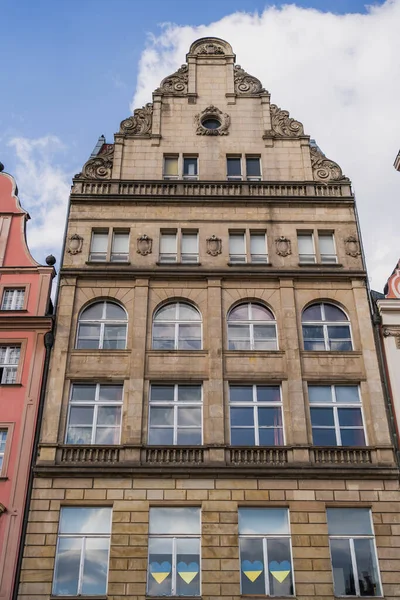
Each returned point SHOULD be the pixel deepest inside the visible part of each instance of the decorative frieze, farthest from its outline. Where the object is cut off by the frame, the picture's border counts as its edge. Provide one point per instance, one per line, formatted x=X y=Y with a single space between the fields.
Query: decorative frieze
x=140 y=122
x=209 y=48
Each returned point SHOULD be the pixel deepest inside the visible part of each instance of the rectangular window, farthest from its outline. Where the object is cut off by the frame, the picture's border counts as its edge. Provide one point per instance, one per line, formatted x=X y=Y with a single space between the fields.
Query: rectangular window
x=190 y=168
x=305 y=243
x=83 y=547
x=234 y=168
x=174 y=552
x=99 y=246
x=9 y=358
x=175 y=415
x=168 y=249
x=189 y=247
x=327 y=251
x=170 y=167
x=120 y=246
x=353 y=553
x=266 y=566
x=253 y=168
x=13 y=299
x=256 y=415
x=3 y=440
x=237 y=247
x=94 y=415
x=258 y=247
x=336 y=415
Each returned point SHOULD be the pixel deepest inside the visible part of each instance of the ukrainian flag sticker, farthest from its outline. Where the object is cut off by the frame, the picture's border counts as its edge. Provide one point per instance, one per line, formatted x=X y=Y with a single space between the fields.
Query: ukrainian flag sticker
x=252 y=570
x=160 y=571
x=187 y=571
x=280 y=570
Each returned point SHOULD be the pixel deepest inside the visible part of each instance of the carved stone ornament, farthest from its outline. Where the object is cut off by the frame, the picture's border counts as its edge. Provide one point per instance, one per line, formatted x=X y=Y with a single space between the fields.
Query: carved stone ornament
x=283 y=125
x=140 y=122
x=391 y=331
x=214 y=245
x=209 y=113
x=325 y=169
x=246 y=84
x=352 y=246
x=176 y=83
x=210 y=48
x=99 y=167
x=283 y=246
x=74 y=244
x=144 y=245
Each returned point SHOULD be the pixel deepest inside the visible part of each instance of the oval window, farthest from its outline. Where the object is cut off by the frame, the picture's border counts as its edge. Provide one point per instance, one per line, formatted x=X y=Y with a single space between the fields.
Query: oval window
x=211 y=123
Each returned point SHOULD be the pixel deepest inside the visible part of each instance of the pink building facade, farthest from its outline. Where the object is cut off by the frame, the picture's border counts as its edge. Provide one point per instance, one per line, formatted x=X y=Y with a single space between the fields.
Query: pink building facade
x=25 y=319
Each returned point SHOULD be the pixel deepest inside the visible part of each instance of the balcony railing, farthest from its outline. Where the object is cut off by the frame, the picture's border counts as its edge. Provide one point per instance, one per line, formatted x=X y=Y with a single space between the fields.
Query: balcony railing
x=258 y=456
x=174 y=456
x=90 y=454
x=341 y=456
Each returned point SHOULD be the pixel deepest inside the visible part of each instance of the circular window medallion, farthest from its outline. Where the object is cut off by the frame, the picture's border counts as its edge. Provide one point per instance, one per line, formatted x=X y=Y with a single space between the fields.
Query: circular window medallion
x=211 y=123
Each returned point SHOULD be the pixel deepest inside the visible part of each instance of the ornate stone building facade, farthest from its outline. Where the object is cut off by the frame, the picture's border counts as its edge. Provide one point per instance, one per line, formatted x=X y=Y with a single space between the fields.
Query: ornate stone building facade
x=214 y=421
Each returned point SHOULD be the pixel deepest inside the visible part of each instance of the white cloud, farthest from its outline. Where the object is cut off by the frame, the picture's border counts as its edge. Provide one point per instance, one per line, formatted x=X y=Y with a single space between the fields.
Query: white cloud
x=43 y=191
x=339 y=75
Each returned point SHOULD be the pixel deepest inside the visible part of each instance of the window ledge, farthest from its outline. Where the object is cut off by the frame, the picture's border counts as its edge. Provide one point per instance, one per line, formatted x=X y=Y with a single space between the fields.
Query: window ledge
x=319 y=265
x=154 y=352
x=250 y=264
x=10 y=384
x=310 y=353
x=100 y=351
x=179 y=264
x=13 y=310
x=91 y=263
x=80 y=597
x=182 y=597
x=254 y=352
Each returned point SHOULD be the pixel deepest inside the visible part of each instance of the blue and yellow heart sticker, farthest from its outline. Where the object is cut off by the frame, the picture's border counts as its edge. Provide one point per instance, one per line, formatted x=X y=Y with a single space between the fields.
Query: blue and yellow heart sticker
x=187 y=571
x=252 y=570
x=160 y=571
x=280 y=570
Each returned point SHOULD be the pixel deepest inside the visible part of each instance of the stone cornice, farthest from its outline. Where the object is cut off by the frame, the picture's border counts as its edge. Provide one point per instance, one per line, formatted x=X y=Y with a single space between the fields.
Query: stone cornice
x=24 y=323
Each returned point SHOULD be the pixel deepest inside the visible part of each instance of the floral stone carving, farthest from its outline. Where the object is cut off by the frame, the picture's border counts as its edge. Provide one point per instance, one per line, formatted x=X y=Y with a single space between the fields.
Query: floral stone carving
x=283 y=246
x=212 y=112
x=140 y=122
x=325 y=169
x=352 y=246
x=144 y=245
x=176 y=83
x=99 y=167
x=283 y=125
x=246 y=84
x=214 y=245
x=210 y=48
x=74 y=244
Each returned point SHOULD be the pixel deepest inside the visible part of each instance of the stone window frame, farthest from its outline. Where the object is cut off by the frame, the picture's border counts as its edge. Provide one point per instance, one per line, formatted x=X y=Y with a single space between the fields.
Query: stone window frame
x=251 y=322
x=178 y=232
x=317 y=256
x=13 y=286
x=22 y=343
x=9 y=428
x=247 y=234
x=325 y=324
x=110 y=232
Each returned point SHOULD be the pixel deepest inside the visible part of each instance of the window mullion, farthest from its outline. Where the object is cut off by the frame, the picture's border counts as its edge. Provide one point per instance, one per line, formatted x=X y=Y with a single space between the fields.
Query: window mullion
x=80 y=576
x=94 y=424
x=173 y=583
x=251 y=336
x=176 y=336
x=101 y=340
x=337 y=427
x=266 y=578
x=354 y=565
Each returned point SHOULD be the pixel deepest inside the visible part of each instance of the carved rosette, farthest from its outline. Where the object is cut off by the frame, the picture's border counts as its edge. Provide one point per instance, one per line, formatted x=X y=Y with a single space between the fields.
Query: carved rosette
x=144 y=245
x=324 y=169
x=74 y=244
x=210 y=48
x=283 y=246
x=246 y=84
x=140 y=122
x=214 y=245
x=99 y=167
x=209 y=113
x=283 y=125
x=176 y=83
x=352 y=246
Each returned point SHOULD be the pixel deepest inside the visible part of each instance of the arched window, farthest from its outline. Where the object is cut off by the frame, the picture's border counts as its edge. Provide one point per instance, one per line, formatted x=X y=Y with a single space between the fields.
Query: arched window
x=326 y=327
x=102 y=326
x=177 y=326
x=251 y=326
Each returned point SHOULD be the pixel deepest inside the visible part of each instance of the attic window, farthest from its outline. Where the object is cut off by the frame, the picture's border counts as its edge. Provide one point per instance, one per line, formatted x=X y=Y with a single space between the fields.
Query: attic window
x=211 y=123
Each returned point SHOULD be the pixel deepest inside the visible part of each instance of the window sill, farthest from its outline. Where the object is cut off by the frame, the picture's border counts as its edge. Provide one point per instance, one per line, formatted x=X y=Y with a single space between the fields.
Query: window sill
x=10 y=384
x=183 y=597
x=100 y=351
x=178 y=264
x=91 y=263
x=254 y=352
x=157 y=352
x=80 y=597
x=249 y=264
x=319 y=265
x=310 y=353
x=13 y=310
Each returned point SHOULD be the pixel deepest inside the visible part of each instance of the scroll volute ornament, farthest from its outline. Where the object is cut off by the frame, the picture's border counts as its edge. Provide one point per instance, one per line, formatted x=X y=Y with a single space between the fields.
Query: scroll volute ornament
x=144 y=245
x=283 y=246
x=99 y=167
x=284 y=126
x=352 y=246
x=140 y=122
x=246 y=84
x=214 y=245
x=74 y=244
x=324 y=169
x=210 y=48
x=176 y=83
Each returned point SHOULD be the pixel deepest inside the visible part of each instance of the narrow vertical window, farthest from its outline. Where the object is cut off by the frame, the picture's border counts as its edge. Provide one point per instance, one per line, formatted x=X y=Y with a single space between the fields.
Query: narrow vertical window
x=168 y=251
x=353 y=553
x=175 y=415
x=327 y=250
x=258 y=247
x=170 y=167
x=305 y=243
x=266 y=566
x=190 y=168
x=120 y=246
x=83 y=547
x=9 y=358
x=253 y=168
x=256 y=415
x=237 y=247
x=174 y=552
x=99 y=246
x=189 y=247
x=13 y=299
x=234 y=168
x=3 y=440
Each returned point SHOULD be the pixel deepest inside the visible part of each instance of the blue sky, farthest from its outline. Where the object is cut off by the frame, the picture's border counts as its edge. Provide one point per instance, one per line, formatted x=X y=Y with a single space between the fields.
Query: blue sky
x=70 y=68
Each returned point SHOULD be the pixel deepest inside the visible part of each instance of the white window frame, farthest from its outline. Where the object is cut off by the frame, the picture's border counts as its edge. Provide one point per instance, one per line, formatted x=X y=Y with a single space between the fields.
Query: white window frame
x=180 y=158
x=253 y=234
x=234 y=177
x=325 y=324
x=176 y=257
x=169 y=257
x=16 y=294
x=253 y=177
x=335 y=406
x=124 y=256
x=170 y=156
x=92 y=254
x=108 y=253
x=321 y=256
x=10 y=369
x=255 y=405
x=177 y=322
x=175 y=404
x=351 y=539
x=238 y=258
x=250 y=323
x=303 y=260
x=83 y=537
x=190 y=177
x=264 y=537
x=103 y=322
x=194 y=256
x=3 y=430
x=95 y=404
